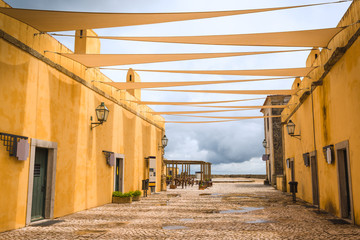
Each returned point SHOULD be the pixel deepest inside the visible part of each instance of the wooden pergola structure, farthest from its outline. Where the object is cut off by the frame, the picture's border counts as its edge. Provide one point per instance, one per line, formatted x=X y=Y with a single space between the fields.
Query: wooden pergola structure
x=205 y=168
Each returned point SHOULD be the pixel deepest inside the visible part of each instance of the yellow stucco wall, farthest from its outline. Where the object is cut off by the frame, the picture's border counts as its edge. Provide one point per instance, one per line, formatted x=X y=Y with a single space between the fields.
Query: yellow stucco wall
x=336 y=118
x=40 y=102
x=280 y=180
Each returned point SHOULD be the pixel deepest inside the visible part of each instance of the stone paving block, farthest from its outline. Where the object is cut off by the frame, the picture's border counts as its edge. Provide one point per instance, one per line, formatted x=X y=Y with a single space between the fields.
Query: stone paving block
x=225 y=211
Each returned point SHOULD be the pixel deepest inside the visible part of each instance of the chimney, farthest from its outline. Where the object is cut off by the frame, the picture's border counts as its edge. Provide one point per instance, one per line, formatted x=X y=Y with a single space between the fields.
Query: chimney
x=85 y=45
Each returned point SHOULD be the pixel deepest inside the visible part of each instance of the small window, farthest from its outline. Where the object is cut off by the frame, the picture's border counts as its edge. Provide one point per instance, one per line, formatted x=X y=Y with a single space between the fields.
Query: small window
x=298 y=84
x=316 y=56
x=130 y=77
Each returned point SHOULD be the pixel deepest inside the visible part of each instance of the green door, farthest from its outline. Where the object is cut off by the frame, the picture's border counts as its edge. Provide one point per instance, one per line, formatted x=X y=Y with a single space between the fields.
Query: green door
x=39 y=184
x=117 y=184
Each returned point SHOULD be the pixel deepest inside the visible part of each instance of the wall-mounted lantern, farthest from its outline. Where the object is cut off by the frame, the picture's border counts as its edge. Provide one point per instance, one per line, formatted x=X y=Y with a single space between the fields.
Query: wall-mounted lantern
x=264 y=143
x=328 y=152
x=164 y=142
x=102 y=113
x=290 y=127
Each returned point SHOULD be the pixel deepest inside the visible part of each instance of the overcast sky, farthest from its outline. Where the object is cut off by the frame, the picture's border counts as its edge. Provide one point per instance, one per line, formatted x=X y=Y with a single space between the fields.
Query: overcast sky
x=232 y=147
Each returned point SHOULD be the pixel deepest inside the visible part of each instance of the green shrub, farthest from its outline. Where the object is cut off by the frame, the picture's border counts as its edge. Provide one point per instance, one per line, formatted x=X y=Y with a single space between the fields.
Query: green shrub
x=120 y=194
x=136 y=193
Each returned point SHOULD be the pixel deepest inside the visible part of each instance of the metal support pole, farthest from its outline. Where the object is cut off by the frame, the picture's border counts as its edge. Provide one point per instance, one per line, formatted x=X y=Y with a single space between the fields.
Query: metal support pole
x=206 y=172
x=210 y=169
x=172 y=174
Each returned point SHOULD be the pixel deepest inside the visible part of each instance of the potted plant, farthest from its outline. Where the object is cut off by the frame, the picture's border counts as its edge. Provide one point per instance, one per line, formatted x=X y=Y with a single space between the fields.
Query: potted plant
x=119 y=197
x=202 y=186
x=136 y=195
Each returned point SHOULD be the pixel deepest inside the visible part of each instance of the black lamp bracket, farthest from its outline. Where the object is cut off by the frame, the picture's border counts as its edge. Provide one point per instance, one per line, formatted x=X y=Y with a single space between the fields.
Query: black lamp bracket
x=94 y=123
x=10 y=142
x=296 y=136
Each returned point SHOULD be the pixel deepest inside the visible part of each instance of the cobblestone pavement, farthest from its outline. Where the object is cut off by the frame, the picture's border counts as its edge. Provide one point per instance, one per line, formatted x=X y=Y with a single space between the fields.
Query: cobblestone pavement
x=247 y=210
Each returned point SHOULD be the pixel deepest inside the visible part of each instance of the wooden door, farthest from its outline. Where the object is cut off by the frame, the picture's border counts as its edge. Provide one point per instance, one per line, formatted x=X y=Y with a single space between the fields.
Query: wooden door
x=314 y=180
x=344 y=184
x=39 y=184
x=117 y=173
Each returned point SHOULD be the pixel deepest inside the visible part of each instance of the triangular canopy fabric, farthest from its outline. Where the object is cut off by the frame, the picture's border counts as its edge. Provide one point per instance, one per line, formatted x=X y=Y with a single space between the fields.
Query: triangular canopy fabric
x=192 y=112
x=102 y=60
x=139 y=85
x=262 y=106
x=224 y=117
x=290 y=72
x=191 y=103
x=260 y=92
x=197 y=121
x=230 y=119
x=52 y=21
x=304 y=38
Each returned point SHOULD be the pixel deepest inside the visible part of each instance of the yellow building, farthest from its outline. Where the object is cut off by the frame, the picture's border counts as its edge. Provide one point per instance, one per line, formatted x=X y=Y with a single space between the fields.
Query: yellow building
x=48 y=101
x=322 y=154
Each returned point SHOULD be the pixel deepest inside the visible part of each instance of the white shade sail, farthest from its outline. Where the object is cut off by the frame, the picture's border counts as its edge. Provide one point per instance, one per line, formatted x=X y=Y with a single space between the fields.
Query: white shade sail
x=139 y=85
x=192 y=112
x=234 y=118
x=260 y=92
x=102 y=60
x=282 y=72
x=262 y=106
x=303 y=38
x=191 y=103
x=229 y=119
x=52 y=21
x=197 y=121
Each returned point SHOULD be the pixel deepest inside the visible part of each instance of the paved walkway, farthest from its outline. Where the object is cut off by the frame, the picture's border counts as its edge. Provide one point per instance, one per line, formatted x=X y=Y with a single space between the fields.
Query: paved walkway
x=225 y=211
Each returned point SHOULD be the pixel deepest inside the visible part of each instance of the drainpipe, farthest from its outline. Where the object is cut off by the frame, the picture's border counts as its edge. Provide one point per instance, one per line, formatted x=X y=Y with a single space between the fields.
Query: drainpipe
x=313 y=120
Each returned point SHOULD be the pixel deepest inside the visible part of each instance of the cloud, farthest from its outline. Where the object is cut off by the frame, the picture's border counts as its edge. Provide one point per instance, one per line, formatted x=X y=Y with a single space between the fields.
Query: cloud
x=252 y=166
x=189 y=150
x=215 y=143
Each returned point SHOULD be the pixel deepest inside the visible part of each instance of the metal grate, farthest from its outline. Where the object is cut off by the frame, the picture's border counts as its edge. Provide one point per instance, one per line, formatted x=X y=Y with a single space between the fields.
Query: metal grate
x=10 y=142
x=37 y=170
